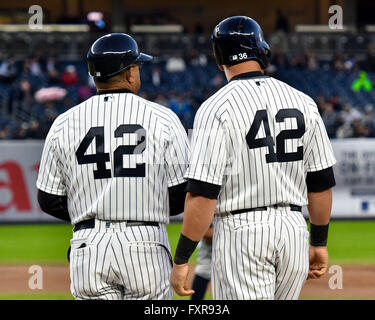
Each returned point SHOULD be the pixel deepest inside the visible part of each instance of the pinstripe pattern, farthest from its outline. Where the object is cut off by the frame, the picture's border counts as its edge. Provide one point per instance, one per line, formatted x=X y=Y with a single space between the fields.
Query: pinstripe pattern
x=220 y=129
x=140 y=199
x=120 y=262
x=259 y=255
x=204 y=260
x=116 y=261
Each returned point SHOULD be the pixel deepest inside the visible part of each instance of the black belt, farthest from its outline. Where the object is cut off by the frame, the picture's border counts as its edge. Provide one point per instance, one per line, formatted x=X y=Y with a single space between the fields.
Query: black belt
x=292 y=208
x=90 y=224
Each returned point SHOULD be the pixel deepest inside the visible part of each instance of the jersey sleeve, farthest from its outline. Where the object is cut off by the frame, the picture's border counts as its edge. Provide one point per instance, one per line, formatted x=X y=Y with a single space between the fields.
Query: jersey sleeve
x=176 y=153
x=209 y=149
x=50 y=178
x=320 y=155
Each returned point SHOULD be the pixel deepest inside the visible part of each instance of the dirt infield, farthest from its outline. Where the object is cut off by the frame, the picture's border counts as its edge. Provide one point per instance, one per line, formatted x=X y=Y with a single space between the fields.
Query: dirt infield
x=15 y=279
x=358 y=282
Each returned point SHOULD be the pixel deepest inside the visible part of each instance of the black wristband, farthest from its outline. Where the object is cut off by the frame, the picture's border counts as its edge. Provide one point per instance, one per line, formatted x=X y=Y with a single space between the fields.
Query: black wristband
x=185 y=249
x=319 y=235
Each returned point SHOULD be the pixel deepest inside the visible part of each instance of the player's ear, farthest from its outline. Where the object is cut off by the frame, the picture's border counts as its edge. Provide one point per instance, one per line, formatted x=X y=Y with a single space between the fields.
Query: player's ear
x=133 y=75
x=221 y=67
x=132 y=78
x=128 y=76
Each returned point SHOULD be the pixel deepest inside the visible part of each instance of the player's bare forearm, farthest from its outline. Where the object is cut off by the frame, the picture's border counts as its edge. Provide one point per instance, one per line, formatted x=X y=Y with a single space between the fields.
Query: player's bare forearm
x=319 y=207
x=198 y=215
x=320 y=204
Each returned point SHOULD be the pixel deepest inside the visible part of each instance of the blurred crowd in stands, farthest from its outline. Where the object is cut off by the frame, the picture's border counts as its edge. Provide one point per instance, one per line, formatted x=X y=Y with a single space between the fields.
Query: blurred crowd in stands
x=33 y=92
x=345 y=120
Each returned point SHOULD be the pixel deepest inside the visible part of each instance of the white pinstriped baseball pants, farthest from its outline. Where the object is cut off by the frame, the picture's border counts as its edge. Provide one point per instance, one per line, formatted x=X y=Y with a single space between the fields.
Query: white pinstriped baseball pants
x=204 y=257
x=261 y=255
x=116 y=262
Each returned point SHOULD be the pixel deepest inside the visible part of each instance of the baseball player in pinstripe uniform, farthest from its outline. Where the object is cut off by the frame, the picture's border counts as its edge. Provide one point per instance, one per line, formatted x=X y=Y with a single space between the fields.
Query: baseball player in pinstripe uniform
x=202 y=270
x=260 y=152
x=113 y=166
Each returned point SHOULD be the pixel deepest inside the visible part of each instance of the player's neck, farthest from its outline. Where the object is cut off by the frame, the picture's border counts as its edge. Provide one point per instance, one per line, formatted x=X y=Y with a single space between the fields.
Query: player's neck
x=117 y=84
x=244 y=67
x=116 y=89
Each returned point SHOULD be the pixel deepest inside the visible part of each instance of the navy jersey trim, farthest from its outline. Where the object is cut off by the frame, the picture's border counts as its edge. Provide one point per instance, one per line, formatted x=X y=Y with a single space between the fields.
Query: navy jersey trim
x=177 y=196
x=54 y=205
x=202 y=188
x=248 y=75
x=319 y=181
x=99 y=92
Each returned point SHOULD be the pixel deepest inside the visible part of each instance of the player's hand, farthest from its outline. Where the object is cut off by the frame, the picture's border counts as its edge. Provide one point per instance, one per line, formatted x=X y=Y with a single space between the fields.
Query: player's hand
x=179 y=279
x=318 y=258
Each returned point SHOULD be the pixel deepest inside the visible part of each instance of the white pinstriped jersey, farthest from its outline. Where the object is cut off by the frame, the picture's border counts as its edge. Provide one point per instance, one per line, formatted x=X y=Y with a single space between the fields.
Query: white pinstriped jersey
x=114 y=156
x=258 y=137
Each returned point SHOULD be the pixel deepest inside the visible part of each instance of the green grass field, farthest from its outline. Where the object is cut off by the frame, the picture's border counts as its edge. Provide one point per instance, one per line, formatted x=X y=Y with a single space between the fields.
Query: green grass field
x=48 y=244
x=350 y=242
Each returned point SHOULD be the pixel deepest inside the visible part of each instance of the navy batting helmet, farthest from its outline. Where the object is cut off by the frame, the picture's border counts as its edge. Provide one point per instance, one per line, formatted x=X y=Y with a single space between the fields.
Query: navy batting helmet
x=112 y=53
x=237 y=39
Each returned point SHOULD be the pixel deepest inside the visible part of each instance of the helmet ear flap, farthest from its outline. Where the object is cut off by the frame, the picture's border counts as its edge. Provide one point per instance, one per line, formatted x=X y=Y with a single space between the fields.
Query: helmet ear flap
x=266 y=56
x=218 y=55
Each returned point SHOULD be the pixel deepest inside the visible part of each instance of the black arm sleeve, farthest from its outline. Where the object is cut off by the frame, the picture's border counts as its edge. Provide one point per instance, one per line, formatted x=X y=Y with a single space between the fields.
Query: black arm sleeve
x=55 y=206
x=177 y=196
x=208 y=190
x=319 y=181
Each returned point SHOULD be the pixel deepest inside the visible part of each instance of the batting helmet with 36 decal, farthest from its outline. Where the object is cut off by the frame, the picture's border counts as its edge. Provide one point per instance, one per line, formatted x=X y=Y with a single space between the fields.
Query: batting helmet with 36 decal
x=238 y=39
